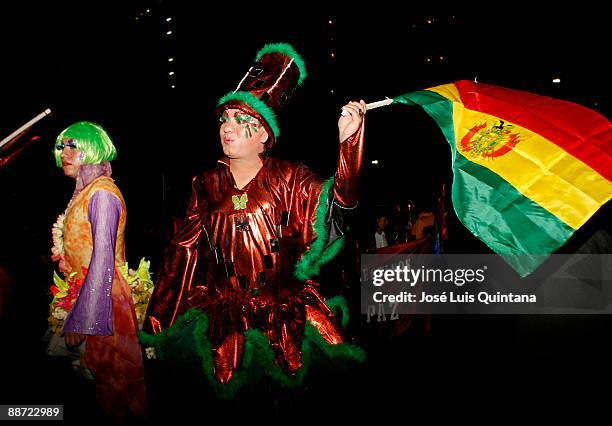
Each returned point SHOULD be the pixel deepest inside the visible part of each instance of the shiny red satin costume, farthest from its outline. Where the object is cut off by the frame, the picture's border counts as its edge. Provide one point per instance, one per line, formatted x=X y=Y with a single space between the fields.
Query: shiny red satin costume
x=235 y=261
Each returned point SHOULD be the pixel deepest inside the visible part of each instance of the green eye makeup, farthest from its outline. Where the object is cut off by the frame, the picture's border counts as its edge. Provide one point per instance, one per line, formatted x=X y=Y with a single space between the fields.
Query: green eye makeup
x=250 y=123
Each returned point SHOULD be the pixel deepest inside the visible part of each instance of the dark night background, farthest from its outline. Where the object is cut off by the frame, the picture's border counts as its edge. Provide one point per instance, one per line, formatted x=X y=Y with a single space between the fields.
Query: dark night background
x=107 y=61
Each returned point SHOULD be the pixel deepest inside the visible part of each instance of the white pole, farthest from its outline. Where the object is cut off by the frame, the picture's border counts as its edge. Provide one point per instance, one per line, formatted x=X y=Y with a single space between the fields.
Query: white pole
x=379 y=104
x=374 y=105
x=25 y=127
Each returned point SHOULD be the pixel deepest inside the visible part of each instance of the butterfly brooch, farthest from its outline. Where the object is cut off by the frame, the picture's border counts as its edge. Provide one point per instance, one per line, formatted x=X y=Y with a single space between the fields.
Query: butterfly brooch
x=240 y=202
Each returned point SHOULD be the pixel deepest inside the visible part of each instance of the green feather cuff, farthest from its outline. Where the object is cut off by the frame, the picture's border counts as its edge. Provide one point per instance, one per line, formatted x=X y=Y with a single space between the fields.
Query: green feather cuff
x=319 y=253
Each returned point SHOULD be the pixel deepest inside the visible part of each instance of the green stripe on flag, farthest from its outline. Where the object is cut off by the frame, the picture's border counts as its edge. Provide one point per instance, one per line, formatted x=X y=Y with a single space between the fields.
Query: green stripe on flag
x=512 y=225
x=437 y=106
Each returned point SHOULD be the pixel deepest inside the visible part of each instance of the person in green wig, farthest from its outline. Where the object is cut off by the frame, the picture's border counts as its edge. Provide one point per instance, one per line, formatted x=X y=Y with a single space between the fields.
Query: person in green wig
x=92 y=316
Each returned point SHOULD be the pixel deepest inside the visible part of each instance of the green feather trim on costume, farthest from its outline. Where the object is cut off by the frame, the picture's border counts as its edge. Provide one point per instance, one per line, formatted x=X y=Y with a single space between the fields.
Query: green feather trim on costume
x=262 y=109
x=158 y=340
x=342 y=350
x=257 y=350
x=318 y=254
x=338 y=303
x=285 y=49
x=328 y=254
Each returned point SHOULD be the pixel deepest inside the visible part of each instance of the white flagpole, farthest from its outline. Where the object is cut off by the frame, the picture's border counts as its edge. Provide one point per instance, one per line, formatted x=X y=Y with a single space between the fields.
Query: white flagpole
x=373 y=105
x=379 y=104
x=25 y=127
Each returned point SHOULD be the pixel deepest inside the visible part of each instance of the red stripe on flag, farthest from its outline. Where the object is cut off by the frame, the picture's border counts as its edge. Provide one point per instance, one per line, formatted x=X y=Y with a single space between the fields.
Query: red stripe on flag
x=585 y=134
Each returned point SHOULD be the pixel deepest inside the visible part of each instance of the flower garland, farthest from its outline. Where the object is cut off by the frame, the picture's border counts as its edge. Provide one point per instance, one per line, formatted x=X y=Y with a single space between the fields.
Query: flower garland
x=65 y=293
x=57 y=231
x=57 y=251
x=141 y=284
x=66 y=290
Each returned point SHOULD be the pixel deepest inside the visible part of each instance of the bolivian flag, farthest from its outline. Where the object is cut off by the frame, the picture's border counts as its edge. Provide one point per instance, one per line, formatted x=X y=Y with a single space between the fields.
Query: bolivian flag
x=528 y=170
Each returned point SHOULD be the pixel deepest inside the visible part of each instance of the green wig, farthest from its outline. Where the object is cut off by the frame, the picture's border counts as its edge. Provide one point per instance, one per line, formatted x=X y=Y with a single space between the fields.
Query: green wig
x=91 y=139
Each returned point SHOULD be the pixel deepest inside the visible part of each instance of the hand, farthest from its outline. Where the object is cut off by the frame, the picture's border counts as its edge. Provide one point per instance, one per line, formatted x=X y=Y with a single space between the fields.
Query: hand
x=73 y=339
x=348 y=124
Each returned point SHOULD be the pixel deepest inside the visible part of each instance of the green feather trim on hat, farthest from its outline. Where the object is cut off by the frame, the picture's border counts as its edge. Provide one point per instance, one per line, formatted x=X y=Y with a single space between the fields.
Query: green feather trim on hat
x=260 y=107
x=285 y=49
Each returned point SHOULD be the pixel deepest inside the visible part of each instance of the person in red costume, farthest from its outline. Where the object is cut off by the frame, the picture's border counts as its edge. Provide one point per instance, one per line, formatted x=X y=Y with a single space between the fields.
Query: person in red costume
x=238 y=278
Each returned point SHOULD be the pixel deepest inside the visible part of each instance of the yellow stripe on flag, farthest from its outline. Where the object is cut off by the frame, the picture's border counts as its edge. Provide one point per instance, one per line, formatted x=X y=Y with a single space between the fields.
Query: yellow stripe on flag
x=449 y=91
x=536 y=167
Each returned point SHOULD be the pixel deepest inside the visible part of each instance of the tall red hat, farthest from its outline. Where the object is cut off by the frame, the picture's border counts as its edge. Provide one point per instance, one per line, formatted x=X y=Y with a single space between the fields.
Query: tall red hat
x=268 y=85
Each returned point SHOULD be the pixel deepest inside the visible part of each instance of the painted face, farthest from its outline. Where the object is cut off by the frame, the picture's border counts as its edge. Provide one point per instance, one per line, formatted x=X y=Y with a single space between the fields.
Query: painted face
x=71 y=157
x=242 y=135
